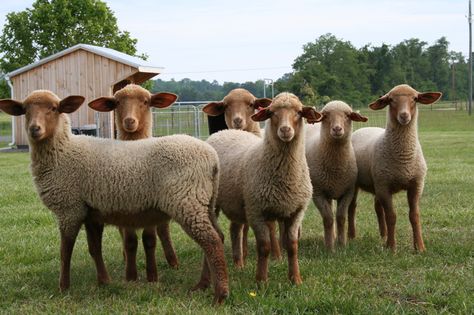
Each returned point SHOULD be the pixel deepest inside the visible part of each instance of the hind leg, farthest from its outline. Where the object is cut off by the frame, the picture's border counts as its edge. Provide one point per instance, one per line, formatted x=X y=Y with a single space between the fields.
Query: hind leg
x=351 y=216
x=163 y=231
x=274 y=241
x=236 y=239
x=380 y=218
x=130 y=244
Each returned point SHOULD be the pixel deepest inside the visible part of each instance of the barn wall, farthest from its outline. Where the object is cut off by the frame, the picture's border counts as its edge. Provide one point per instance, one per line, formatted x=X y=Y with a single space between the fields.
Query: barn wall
x=81 y=73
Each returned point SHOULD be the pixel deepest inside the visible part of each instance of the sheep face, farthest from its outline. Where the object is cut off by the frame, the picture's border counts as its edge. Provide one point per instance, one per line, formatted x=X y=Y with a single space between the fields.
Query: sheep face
x=337 y=120
x=237 y=106
x=42 y=110
x=286 y=116
x=132 y=106
x=402 y=101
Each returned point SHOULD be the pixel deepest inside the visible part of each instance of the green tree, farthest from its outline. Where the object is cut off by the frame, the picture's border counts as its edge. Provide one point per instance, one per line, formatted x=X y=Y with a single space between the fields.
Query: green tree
x=54 y=25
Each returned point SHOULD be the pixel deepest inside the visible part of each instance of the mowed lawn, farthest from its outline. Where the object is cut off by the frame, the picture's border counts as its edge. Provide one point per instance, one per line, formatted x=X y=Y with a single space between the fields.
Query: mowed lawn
x=362 y=278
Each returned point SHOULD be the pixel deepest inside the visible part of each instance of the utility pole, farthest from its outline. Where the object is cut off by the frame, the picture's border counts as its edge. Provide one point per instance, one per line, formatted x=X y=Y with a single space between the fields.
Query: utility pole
x=469 y=18
x=267 y=82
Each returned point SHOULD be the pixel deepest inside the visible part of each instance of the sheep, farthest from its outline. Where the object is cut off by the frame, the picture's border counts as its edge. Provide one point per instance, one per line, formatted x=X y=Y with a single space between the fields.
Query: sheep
x=390 y=160
x=238 y=106
x=332 y=166
x=132 y=108
x=93 y=181
x=267 y=179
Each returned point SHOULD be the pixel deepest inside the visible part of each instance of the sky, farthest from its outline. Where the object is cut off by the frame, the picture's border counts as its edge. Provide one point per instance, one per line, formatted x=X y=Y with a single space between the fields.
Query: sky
x=248 y=40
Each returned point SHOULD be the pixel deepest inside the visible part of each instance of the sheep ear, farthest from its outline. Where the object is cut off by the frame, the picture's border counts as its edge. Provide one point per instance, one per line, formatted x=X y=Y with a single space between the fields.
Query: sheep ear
x=428 y=97
x=12 y=107
x=262 y=114
x=357 y=117
x=312 y=116
x=70 y=104
x=380 y=103
x=103 y=104
x=163 y=99
x=214 y=108
x=262 y=102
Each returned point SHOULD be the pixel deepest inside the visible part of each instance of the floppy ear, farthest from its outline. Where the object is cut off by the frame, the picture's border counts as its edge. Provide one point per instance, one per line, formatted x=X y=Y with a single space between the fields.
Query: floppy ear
x=103 y=104
x=357 y=117
x=380 y=103
x=163 y=99
x=312 y=116
x=262 y=102
x=262 y=114
x=428 y=97
x=12 y=107
x=214 y=108
x=70 y=104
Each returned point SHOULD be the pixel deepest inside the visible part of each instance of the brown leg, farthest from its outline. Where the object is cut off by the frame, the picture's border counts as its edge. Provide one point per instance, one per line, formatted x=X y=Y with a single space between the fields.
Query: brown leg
x=163 y=230
x=291 y=229
x=341 y=214
x=67 y=245
x=380 y=218
x=149 y=245
x=274 y=242
x=390 y=218
x=245 y=243
x=262 y=237
x=413 y=194
x=130 y=244
x=351 y=213
x=94 y=233
x=202 y=231
x=236 y=239
x=325 y=208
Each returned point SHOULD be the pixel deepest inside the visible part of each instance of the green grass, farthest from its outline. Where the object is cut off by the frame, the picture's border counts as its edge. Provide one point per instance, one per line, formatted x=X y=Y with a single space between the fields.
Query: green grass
x=362 y=278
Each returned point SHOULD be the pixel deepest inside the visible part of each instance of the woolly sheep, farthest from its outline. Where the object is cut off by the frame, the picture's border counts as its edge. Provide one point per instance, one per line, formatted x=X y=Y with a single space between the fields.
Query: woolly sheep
x=390 y=160
x=267 y=179
x=92 y=181
x=132 y=111
x=332 y=166
x=238 y=106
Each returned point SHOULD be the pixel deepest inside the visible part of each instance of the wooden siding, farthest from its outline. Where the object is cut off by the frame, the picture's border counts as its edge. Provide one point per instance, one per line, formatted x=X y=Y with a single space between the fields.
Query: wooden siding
x=81 y=73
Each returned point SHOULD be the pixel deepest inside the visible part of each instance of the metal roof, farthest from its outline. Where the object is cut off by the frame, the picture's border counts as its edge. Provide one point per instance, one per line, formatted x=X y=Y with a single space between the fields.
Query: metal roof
x=140 y=64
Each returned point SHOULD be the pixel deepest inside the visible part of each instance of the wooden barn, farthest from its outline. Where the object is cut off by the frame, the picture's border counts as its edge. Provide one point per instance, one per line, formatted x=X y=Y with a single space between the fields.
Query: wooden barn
x=85 y=70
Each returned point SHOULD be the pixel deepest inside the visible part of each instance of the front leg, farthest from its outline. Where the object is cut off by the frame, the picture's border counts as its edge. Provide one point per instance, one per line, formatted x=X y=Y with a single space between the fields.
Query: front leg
x=262 y=237
x=94 y=233
x=325 y=208
x=413 y=194
x=68 y=233
x=385 y=199
x=292 y=226
x=341 y=214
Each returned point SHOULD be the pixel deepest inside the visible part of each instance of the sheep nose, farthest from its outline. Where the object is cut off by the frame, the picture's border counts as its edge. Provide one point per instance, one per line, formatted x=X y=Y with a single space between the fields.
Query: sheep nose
x=337 y=129
x=129 y=122
x=35 y=130
x=285 y=129
x=237 y=122
x=404 y=116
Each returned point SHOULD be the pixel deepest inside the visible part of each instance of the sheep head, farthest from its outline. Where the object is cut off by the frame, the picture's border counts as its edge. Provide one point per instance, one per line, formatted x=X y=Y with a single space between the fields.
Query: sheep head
x=337 y=119
x=42 y=109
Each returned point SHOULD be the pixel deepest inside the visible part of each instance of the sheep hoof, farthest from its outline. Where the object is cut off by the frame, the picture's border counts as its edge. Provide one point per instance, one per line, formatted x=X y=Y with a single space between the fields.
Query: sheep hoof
x=220 y=297
x=202 y=285
x=296 y=280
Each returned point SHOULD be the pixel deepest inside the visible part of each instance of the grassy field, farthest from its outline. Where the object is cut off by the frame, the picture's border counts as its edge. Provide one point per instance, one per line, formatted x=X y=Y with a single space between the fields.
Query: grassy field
x=362 y=278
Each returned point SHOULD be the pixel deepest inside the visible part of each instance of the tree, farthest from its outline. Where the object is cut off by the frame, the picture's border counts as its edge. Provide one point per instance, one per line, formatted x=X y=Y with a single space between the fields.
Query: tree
x=54 y=25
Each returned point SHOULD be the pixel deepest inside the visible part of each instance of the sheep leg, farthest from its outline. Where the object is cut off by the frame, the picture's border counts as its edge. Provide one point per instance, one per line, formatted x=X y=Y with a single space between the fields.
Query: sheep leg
x=281 y=227
x=380 y=218
x=274 y=242
x=149 y=245
x=351 y=213
x=413 y=194
x=390 y=218
x=130 y=243
x=341 y=214
x=325 y=208
x=94 y=233
x=201 y=230
x=236 y=239
x=292 y=226
x=68 y=238
x=163 y=231
x=245 y=246
x=262 y=237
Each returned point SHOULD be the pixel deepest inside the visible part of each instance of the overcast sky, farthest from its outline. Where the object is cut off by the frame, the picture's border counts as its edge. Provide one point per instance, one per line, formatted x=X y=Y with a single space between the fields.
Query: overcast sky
x=247 y=40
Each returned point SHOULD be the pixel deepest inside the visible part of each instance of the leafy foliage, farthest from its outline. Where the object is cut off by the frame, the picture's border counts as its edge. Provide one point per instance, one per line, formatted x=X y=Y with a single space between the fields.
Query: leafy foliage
x=54 y=25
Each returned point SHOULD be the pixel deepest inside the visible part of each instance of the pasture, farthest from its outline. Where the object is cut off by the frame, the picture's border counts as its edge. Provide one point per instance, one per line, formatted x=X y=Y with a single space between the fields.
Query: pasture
x=361 y=278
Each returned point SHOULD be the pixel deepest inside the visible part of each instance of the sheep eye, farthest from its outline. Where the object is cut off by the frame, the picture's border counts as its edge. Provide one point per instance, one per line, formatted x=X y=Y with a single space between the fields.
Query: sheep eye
x=52 y=108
